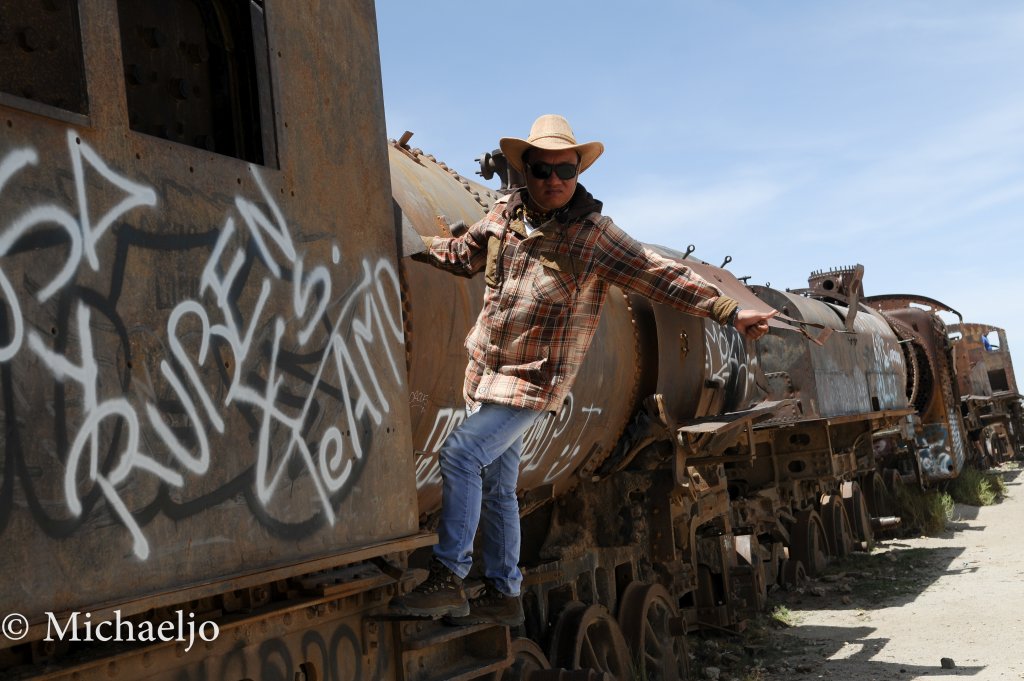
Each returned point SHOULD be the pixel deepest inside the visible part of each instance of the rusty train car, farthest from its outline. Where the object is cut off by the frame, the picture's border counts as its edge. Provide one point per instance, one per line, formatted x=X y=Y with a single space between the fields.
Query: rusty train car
x=990 y=401
x=223 y=392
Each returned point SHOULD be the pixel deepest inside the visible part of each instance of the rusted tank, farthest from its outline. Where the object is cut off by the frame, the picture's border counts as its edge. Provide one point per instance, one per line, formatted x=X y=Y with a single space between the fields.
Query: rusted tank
x=829 y=375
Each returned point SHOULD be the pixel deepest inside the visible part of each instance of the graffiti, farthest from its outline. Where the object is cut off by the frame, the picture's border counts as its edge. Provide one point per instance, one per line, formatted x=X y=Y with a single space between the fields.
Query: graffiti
x=262 y=343
x=933 y=450
x=956 y=439
x=891 y=377
x=548 y=431
x=428 y=464
x=445 y=422
x=886 y=355
x=541 y=442
x=941 y=448
x=728 y=366
x=418 y=401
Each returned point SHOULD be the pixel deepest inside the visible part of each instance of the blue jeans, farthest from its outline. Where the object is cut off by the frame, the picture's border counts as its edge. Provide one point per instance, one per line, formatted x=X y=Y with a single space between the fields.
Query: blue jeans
x=479 y=469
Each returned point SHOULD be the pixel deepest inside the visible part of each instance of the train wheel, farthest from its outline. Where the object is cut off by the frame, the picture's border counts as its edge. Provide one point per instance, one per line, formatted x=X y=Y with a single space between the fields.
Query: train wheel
x=528 y=658
x=876 y=494
x=645 y=616
x=860 y=518
x=810 y=544
x=773 y=566
x=837 y=526
x=793 y=574
x=587 y=637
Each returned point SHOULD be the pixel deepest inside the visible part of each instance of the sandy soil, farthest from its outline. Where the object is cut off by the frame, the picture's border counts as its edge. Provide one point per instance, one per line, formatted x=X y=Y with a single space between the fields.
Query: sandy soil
x=895 y=614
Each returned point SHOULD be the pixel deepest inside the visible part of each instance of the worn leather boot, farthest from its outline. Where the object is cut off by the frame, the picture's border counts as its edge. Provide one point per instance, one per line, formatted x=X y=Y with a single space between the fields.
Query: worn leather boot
x=492 y=607
x=439 y=594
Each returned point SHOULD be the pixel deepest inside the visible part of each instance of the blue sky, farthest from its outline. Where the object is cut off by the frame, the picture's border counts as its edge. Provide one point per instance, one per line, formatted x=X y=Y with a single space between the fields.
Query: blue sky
x=792 y=136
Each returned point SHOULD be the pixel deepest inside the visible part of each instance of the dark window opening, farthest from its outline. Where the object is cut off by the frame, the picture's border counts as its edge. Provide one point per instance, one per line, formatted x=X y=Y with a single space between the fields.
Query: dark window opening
x=41 y=53
x=197 y=72
x=997 y=379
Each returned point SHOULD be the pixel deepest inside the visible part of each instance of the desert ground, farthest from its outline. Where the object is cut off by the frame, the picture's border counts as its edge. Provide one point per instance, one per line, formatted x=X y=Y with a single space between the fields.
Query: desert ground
x=914 y=608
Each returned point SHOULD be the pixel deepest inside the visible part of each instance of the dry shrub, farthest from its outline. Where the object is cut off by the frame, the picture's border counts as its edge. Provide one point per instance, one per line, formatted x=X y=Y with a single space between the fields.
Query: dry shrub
x=976 y=488
x=998 y=484
x=924 y=510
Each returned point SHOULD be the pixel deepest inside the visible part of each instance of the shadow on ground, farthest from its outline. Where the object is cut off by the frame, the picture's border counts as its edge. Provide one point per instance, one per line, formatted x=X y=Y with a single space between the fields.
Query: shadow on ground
x=848 y=652
x=895 y=575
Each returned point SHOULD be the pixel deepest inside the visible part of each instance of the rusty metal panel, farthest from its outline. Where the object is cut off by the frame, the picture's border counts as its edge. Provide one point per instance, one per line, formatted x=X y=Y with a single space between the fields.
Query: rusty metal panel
x=199 y=356
x=982 y=370
x=857 y=371
x=441 y=311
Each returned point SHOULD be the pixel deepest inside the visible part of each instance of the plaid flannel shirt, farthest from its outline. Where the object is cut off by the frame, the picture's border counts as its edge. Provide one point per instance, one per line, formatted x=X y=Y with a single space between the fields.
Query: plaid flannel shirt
x=545 y=291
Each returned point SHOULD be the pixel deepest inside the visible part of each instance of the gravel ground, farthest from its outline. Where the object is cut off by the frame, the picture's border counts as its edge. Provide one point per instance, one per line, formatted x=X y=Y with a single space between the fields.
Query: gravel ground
x=918 y=608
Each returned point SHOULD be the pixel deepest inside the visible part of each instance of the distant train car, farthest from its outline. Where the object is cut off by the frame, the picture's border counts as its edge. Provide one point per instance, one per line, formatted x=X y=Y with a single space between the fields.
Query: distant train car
x=939 y=449
x=990 y=398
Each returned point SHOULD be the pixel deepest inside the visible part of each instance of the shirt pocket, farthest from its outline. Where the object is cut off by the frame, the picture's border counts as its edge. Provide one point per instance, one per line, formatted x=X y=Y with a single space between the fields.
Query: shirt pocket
x=534 y=372
x=493 y=254
x=555 y=280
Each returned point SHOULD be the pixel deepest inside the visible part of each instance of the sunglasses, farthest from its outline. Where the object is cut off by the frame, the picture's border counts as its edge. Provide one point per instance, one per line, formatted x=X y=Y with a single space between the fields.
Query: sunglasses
x=542 y=171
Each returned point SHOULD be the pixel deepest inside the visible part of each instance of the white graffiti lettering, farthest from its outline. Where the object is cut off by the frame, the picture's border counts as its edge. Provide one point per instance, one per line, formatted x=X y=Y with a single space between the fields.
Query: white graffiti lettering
x=357 y=352
x=727 y=364
x=540 y=442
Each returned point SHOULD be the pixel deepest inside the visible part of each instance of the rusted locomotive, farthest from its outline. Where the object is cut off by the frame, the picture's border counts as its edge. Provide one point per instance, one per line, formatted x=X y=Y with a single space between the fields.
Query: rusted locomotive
x=730 y=466
x=223 y=392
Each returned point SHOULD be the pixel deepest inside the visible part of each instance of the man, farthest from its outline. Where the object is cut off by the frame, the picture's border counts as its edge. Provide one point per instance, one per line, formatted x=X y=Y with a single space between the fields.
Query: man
x=549 y=257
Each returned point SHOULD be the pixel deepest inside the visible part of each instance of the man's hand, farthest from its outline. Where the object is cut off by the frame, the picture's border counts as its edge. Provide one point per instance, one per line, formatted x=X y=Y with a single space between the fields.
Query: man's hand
x=753 y=324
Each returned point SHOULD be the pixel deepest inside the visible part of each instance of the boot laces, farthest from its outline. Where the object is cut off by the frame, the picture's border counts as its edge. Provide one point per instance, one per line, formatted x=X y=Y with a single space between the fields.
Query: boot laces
x=440 y=577
x=490 y=595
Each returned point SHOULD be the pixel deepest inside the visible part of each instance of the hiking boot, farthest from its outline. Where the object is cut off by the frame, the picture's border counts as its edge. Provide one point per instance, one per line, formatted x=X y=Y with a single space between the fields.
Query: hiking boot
x=439 y=594
x=492 y=607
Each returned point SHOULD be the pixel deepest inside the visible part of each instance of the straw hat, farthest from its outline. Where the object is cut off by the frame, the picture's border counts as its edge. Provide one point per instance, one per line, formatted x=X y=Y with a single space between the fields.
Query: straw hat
x=549 y=131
